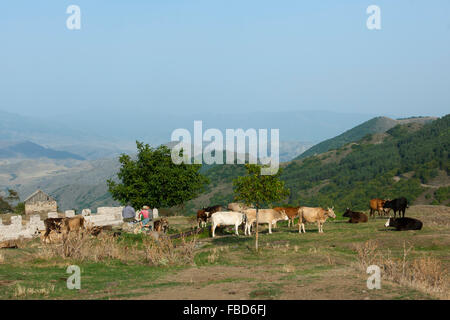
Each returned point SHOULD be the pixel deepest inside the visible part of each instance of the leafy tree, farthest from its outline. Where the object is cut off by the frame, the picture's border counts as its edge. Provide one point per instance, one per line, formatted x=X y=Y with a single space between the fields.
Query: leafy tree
x=20 y=208
x=260 y=190
x=153 y=179
x=12 y=196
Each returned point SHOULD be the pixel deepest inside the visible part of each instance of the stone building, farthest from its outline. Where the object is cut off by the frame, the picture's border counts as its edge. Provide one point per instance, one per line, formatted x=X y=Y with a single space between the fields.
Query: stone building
x=40 y=202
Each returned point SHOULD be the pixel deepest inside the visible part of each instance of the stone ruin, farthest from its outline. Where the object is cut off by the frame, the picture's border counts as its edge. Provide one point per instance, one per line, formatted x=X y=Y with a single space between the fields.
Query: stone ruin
x=105 y=216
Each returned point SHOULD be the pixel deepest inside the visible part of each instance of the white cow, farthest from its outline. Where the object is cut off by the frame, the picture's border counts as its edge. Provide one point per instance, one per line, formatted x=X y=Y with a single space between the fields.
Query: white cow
x=269 y=216
x=226 y=218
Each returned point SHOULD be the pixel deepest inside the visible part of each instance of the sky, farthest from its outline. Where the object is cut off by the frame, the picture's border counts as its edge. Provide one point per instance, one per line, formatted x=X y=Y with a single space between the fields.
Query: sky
x=224 y=56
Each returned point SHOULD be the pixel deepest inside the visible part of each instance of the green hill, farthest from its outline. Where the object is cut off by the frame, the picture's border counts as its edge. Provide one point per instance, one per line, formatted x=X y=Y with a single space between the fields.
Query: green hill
x=395 y=163
x=375 y=125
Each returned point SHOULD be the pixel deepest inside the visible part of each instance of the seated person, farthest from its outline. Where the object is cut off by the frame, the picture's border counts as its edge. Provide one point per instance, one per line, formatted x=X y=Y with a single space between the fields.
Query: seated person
x=146 y=217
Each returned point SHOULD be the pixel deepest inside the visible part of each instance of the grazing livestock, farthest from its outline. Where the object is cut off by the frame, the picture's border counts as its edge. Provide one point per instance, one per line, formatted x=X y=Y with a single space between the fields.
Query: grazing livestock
x=72 y=224
x=238 y=207
x=226 y=218
x=202 y=217
x=311 y=215
x=52 y=224
x=402 y=224
x=269 y=216
x=398 y=204
x=204 y=214
x=161 y=225
x=378 y=206
x=355 y=217
x=292 y=213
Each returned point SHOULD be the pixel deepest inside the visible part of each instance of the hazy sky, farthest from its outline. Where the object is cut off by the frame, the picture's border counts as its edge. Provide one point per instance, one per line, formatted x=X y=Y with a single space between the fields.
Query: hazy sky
x=225 y=56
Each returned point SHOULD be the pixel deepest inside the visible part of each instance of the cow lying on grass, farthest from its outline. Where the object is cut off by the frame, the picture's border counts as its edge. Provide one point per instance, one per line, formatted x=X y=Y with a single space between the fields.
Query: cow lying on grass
x=403 y=224
x=269 y=216
x=355 y=217
x=312 y=215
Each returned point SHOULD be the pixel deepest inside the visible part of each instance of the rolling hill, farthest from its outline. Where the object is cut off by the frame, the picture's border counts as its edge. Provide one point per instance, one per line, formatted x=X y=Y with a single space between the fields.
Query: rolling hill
x=403 y=161
x=375 y=125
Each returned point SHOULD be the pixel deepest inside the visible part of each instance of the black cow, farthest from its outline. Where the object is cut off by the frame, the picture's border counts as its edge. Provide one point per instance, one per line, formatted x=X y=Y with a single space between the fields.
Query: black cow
x=355 y=217
x=398 y=204
x=213 y=209
x=402 y=224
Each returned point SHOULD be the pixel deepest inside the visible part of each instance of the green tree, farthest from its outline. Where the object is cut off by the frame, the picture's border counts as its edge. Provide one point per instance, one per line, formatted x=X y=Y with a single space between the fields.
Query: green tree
x=260 y=190
x=153 y=179
x=19 y=208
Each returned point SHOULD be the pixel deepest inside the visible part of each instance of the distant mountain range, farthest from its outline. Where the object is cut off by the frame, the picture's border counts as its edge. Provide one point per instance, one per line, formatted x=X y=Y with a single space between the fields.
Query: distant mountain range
x=30 y=150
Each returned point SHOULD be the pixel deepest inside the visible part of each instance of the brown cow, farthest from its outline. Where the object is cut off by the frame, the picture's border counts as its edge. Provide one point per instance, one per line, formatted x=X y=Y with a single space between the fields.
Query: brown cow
x=204 y=214
x=292 y=213
x=355 y=217
x=72 y=224
x=52 y=224
x=377 y=205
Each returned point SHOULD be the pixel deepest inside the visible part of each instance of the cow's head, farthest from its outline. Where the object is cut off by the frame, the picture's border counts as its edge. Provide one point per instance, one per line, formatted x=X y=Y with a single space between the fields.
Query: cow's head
x=330 y=212
x=347 y=213
x=284 y=216
x=387 y=204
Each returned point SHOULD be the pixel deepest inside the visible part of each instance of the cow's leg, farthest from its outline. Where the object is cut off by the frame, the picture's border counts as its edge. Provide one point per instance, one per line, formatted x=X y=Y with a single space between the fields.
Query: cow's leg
x=270 y=228
x=213 y=227
x=236 y=227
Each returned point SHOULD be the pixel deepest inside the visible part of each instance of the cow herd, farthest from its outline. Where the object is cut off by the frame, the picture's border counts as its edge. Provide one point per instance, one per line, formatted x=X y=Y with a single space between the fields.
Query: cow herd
x=237 y=214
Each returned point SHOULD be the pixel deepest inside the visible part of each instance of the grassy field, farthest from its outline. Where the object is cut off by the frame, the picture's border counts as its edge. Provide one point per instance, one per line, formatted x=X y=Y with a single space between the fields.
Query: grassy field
x=289 y=265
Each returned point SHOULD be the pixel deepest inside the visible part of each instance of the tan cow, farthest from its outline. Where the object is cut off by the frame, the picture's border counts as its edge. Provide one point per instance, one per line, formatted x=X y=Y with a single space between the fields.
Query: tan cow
x=238 y=207
x=269 y=216
x=312 y=215
x=72 y=224
x=292 y=213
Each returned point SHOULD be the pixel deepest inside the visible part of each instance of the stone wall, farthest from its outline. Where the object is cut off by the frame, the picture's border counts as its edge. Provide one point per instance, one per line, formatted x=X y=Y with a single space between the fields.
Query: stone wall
x=40 y=207
x=106 y=216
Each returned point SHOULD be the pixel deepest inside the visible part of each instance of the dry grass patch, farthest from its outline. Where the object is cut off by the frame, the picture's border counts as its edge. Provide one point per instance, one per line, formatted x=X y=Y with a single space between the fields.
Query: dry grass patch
x=23 y=292
x=164 y=252
x=83 y=247
x=423 y=273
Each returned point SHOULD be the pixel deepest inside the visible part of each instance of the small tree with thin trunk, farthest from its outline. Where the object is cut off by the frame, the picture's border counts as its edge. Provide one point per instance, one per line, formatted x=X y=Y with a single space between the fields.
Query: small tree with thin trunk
x=260 y=190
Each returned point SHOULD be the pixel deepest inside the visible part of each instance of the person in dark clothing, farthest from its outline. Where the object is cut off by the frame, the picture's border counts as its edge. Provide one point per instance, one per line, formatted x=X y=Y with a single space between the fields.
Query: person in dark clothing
x=128 y=214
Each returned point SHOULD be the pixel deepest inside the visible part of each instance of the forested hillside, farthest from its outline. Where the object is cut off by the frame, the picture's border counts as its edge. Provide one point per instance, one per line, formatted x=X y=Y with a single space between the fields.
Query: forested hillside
x=369 y=170
x=396 y=163
x=375 y=125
